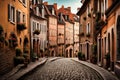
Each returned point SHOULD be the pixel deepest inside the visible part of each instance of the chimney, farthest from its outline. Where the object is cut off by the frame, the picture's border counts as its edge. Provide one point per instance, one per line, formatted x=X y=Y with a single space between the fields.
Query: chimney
x=55 y=6
x=78 y=9
x=45 y=3
x=62 y=6
x=69 y=8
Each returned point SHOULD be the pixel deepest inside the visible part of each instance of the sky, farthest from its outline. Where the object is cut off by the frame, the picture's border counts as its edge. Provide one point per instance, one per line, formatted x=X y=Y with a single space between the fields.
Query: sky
x=74 y=4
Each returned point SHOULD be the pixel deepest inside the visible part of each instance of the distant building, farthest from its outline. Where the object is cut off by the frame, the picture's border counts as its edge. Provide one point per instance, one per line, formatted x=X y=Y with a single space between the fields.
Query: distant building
x=52 y=28
x=76 y=38
x=69 y=23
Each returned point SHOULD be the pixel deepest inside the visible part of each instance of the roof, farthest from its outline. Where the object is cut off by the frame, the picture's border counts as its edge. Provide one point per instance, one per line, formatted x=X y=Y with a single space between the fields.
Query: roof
x=112 y=7
x=83 y=8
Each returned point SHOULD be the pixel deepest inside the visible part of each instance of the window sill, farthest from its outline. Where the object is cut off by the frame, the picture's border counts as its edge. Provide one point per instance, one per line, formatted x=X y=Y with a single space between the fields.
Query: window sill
x=12 y=22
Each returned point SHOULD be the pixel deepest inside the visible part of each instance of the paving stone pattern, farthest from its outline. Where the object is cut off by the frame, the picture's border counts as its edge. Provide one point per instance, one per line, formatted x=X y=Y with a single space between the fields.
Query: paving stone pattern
x=63 y=69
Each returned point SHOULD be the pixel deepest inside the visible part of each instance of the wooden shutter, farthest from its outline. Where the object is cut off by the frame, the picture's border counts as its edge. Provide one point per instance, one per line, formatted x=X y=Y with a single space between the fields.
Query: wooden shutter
x=8 y=12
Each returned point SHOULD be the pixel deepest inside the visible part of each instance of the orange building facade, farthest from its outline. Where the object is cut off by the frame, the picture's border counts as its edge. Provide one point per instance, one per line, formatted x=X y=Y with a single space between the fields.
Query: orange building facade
x=108 y=35
x=14 y=19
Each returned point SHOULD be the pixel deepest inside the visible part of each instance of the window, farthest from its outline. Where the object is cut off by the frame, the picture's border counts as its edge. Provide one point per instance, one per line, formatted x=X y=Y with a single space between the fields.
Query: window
x=106 y=4
x=18 y=14
x=34 y=26
x=88 y=9
x=37 y=11
x=37 y=26
x=11 y=13
x=24 y=18
x=53 y=12
x=88 y=28
x=24 y=2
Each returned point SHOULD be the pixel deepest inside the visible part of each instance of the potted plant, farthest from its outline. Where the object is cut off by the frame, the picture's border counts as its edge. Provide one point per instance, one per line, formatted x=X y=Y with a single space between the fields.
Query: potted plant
x=36 y=32
x=18 y=52
x=88 y=35
x=107 y=57
x=82 y=34
x=80 y=55
x=25 y=55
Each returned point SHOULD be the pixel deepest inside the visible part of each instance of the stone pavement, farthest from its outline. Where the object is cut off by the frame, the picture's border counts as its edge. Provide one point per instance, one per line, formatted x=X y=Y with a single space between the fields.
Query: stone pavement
x=18 y=72
x=63 y=69
x=104 y=73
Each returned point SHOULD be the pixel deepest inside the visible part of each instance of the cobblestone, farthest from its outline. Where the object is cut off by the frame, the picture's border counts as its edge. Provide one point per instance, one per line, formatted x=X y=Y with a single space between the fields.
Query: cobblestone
x=63 y=69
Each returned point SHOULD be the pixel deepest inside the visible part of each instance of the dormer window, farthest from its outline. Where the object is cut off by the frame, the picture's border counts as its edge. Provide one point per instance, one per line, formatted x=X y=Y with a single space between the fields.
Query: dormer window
x=53 y=11
x=42 y=11
x=37 y=11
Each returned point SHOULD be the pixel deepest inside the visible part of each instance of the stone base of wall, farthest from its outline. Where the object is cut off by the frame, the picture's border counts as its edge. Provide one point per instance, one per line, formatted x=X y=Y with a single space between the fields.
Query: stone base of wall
x=6 y=60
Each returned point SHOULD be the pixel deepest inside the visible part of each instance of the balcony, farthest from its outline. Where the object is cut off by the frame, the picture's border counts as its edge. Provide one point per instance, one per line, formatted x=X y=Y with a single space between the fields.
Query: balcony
x=21 y=26
x=100 y=23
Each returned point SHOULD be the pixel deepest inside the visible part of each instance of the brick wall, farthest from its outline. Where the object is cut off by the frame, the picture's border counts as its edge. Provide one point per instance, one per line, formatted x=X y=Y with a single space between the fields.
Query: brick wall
x=6 y=60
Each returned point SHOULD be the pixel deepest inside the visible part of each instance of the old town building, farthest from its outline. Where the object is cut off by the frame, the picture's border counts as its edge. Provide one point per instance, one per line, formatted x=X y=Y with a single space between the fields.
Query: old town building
x=38 y=28
x=76 y=34
x=108 y=12
x=52 y=28
x=61 y=35
x=86 y=28
x=14 y=24
x=69 y=23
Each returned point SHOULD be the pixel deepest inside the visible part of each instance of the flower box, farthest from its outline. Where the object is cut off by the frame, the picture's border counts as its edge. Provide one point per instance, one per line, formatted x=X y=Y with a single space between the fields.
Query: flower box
x=88 y=35
x=37 y=32
x=21 y=26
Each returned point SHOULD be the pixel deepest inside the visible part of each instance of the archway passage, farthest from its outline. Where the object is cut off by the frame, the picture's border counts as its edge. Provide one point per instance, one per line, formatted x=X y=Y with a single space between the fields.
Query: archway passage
x=118 y=38
x=52 y=54
x=70 y=52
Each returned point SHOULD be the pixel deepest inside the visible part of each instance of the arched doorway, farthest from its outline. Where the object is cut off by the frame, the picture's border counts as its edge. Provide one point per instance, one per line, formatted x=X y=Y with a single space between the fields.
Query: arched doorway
x=70 y=52
x=108 y=54
x=118 y=38
x=25 y=49
x=52 y=53
x=112 y=64
x=87 y=50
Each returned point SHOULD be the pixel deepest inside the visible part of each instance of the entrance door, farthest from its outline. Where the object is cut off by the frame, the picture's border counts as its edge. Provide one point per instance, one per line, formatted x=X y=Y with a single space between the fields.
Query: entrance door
x=70 y=52
x=87 y=50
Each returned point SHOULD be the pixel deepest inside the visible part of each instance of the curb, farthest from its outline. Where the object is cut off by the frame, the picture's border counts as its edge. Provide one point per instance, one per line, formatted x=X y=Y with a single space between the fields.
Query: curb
x=23 y=72
x=104 y=73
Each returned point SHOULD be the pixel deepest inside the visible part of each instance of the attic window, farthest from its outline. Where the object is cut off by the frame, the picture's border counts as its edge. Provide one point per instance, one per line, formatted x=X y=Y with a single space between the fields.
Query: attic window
x=53 y=11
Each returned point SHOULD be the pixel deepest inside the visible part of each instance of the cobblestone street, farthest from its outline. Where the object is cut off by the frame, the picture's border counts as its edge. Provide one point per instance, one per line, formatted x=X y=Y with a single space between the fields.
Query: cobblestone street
x=63 y=69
